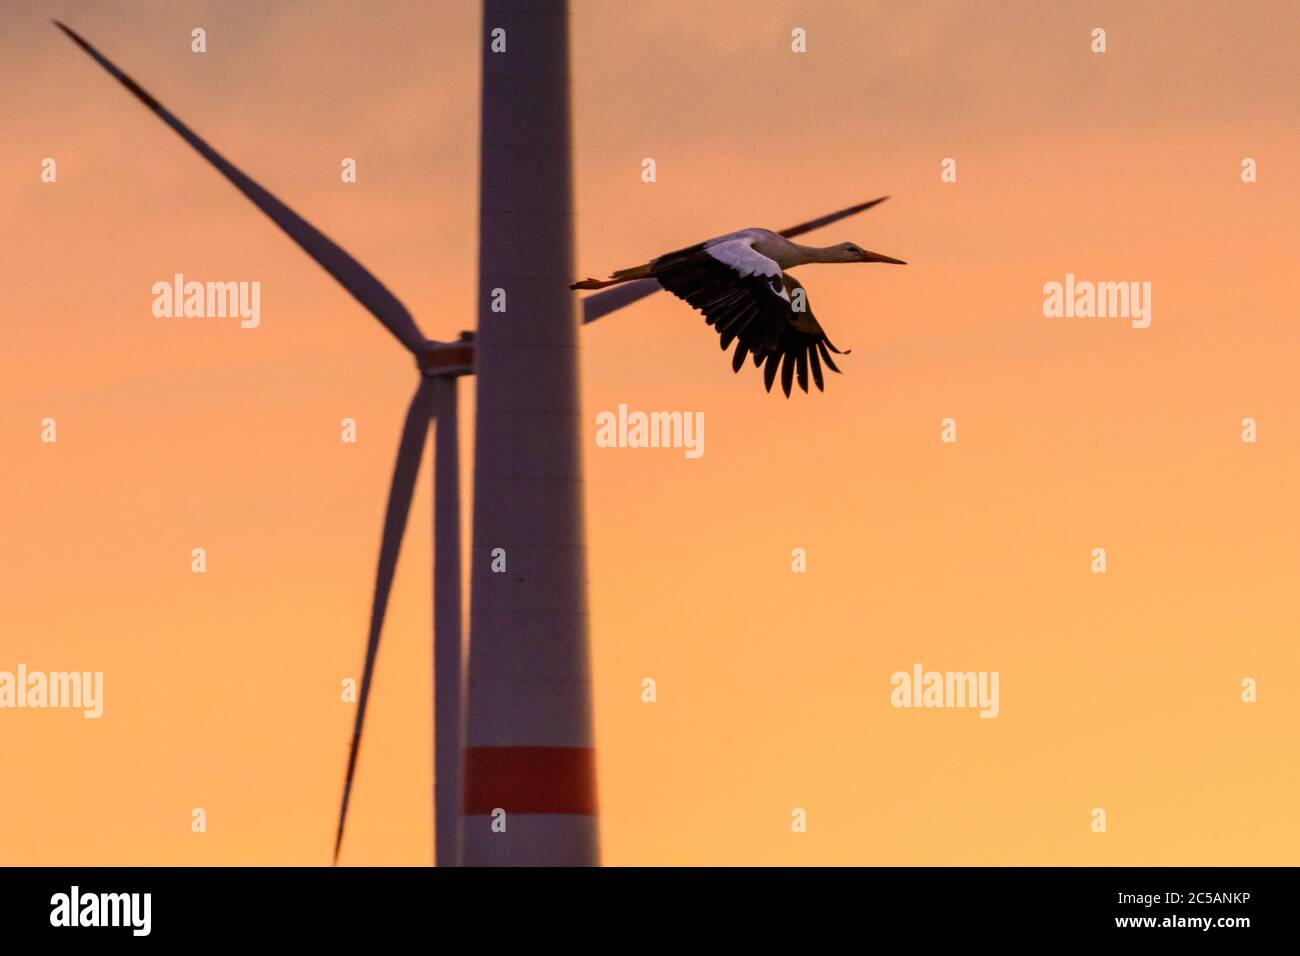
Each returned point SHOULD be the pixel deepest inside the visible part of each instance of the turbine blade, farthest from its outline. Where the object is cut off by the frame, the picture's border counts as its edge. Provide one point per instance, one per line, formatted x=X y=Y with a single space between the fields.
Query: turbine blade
x=826 y=220
x=409 y=452
x=351 y=274
x=603 y=303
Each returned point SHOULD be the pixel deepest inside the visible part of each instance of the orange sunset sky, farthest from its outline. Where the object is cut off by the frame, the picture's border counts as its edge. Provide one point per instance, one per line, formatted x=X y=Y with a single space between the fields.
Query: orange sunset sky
x=1119 y=690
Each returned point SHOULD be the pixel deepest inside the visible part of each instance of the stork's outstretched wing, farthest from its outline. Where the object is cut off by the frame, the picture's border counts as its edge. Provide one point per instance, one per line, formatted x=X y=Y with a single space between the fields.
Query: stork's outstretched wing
x=803 y=346
x=750 y=301
x=738 y=289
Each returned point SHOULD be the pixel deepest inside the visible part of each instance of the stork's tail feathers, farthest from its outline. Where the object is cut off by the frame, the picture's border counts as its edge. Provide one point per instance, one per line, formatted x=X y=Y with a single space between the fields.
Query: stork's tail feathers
x=620 y=275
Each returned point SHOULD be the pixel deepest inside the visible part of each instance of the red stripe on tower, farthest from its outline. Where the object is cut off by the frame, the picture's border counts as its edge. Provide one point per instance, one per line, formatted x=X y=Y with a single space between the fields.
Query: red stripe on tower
x=530 y=780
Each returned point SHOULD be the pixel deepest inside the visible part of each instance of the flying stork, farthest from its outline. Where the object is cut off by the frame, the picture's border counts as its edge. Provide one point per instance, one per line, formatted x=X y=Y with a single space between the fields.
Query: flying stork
x=738 y=281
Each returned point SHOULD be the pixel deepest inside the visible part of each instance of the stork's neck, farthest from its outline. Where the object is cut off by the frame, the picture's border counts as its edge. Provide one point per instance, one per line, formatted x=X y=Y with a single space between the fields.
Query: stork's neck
x=800 y=255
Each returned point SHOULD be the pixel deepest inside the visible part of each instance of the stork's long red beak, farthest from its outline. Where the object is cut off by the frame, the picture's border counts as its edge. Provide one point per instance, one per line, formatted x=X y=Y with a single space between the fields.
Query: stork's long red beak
x=877 y=257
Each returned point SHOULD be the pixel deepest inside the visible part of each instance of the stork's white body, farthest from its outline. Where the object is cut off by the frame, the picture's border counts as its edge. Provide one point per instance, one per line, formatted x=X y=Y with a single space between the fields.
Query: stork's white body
x=768 y=244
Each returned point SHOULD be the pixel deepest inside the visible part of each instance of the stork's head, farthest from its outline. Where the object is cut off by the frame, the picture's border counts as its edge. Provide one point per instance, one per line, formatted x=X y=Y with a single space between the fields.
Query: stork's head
x=852 y=252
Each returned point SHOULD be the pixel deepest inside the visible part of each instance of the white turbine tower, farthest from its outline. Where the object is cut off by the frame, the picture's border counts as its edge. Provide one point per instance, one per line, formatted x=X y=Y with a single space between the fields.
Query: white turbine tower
x=529 y=751
x=527 y=746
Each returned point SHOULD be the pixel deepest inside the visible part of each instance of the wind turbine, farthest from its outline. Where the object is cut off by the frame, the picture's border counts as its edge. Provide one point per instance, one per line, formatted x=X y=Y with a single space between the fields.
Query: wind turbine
x=528 y=768
x=440 y=364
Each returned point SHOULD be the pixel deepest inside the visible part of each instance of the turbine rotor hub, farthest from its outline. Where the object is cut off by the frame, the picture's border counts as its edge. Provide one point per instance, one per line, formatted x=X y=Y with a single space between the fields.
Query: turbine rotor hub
x=439 y=359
